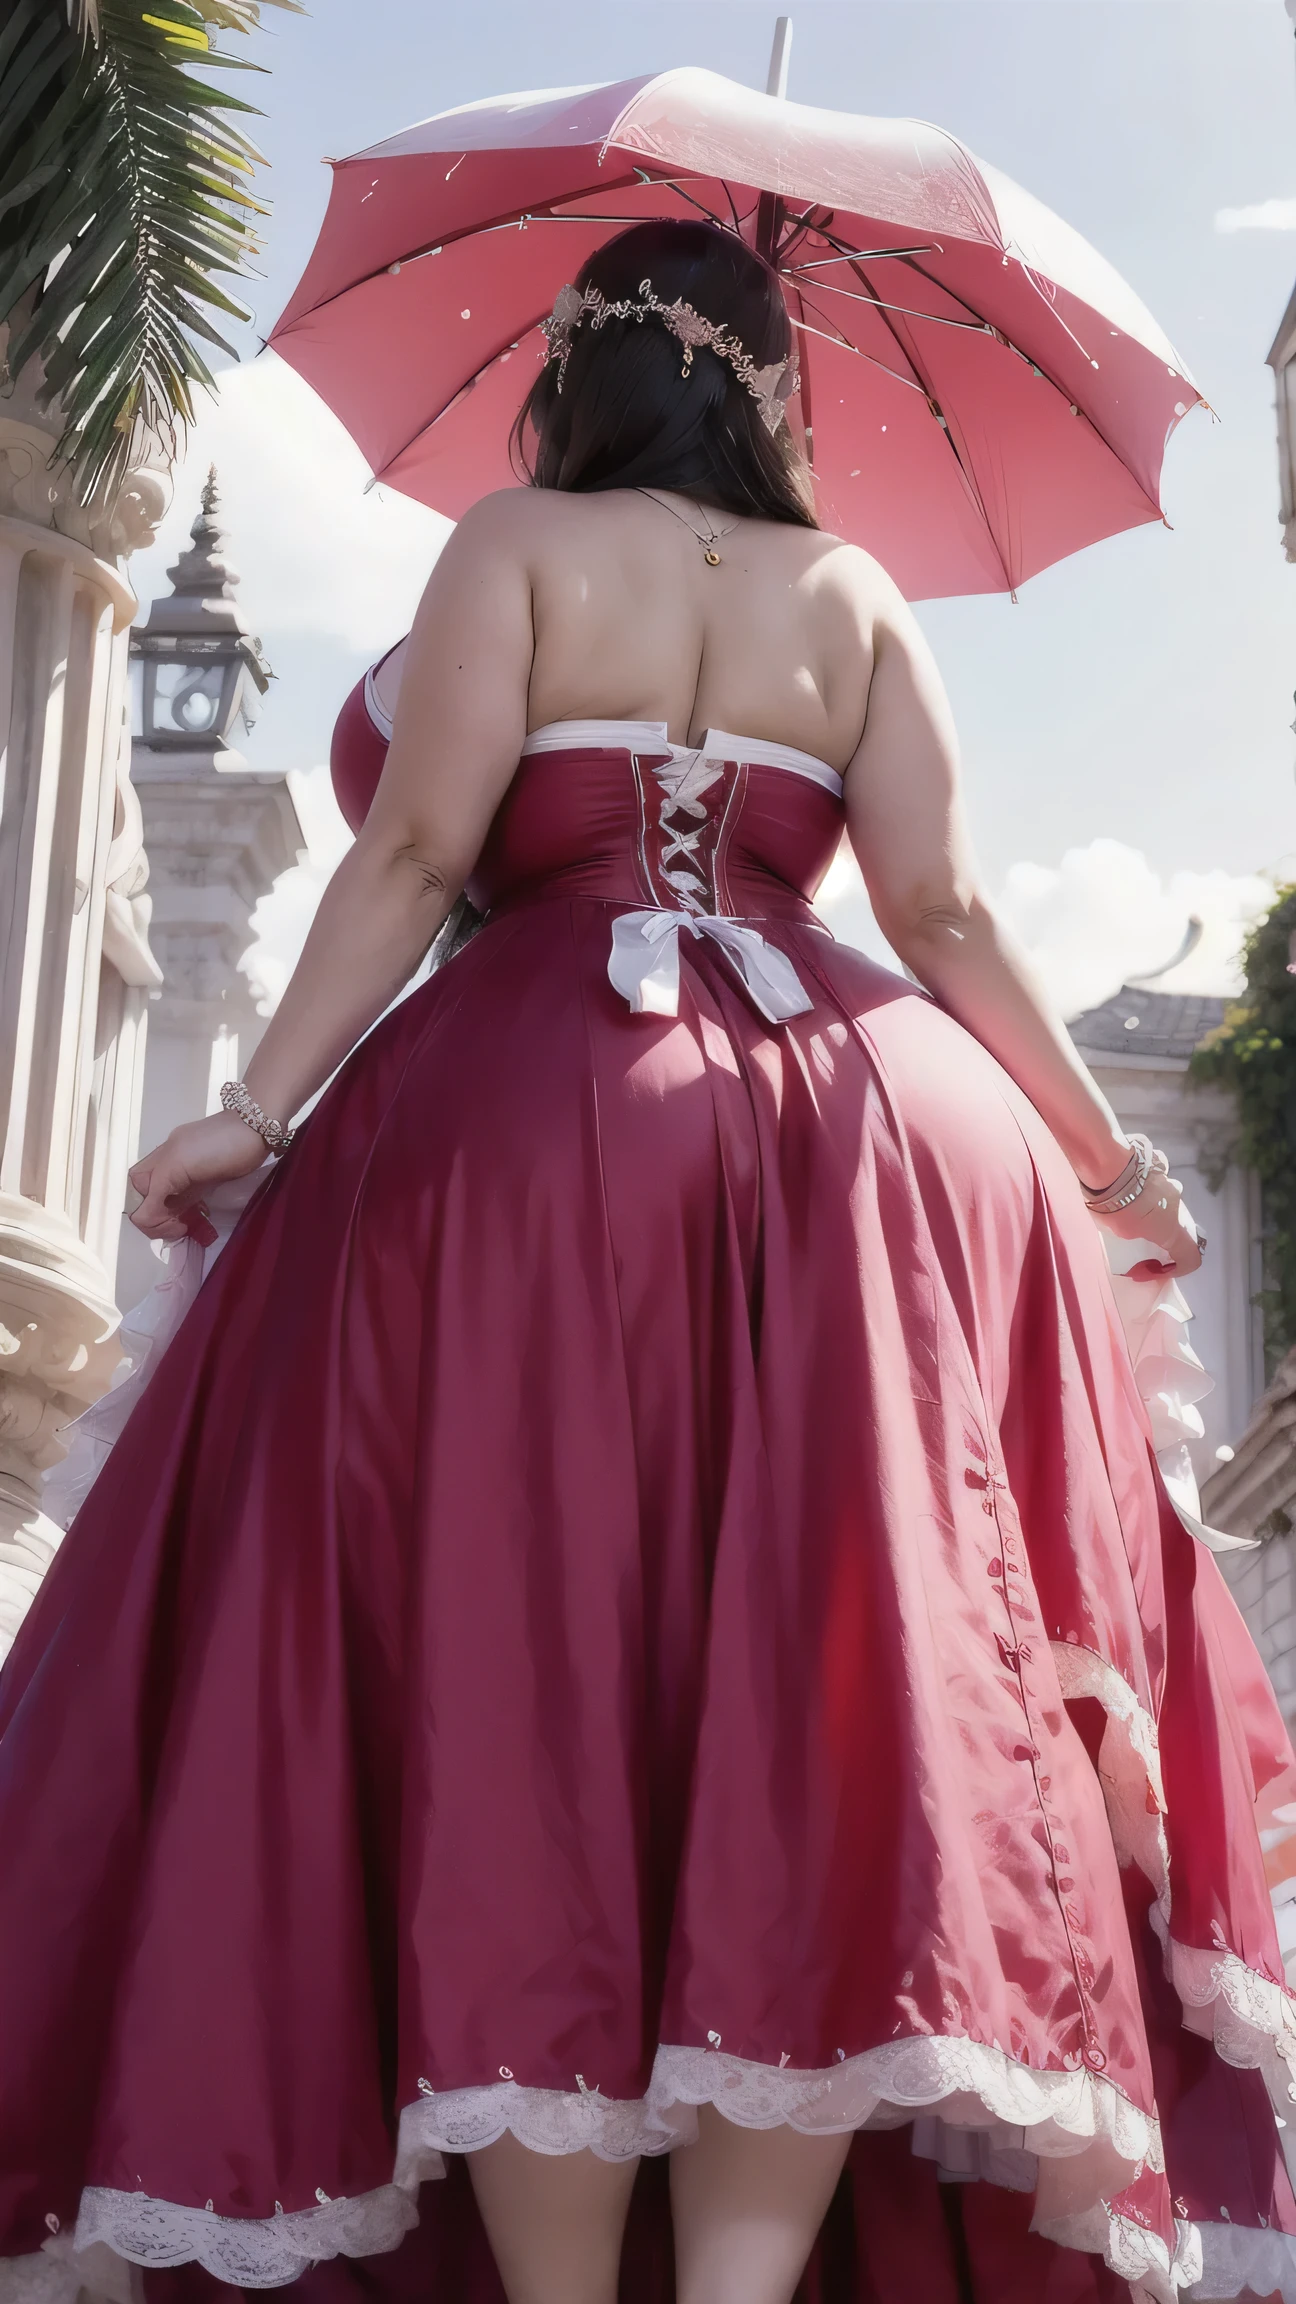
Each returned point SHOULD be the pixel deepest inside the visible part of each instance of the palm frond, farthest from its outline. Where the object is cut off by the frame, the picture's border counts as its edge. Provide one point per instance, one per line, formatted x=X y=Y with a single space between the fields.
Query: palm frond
x=125 y=201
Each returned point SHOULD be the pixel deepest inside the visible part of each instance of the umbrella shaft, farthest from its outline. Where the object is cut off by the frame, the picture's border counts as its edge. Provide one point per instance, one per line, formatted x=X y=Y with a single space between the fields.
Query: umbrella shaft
x=776 y=85
x=769 y=223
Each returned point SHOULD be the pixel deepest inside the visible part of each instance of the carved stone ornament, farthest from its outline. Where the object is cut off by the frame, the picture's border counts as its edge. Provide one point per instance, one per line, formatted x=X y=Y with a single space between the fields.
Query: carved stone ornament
x=58 y=1322
x=34 y=488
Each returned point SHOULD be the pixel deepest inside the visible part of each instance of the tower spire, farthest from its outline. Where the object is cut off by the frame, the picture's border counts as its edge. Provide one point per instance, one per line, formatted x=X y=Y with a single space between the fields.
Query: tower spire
x=204 y=570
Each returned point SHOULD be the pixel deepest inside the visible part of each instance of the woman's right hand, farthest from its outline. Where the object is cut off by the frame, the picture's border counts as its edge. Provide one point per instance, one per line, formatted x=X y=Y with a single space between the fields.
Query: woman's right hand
x=1159 y=1217
x=173 y=1179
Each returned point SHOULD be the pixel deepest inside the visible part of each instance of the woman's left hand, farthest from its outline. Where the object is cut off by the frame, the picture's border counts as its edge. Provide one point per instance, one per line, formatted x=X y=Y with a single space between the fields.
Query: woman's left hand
x=1159 y=1217
x=173 y=1179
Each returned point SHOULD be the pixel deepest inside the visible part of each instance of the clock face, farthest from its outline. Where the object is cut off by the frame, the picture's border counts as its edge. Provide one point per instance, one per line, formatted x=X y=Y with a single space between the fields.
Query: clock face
x=188 y=698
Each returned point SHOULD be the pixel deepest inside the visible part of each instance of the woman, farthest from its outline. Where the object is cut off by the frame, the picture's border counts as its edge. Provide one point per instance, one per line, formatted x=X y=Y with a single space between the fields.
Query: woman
x=637 y=1612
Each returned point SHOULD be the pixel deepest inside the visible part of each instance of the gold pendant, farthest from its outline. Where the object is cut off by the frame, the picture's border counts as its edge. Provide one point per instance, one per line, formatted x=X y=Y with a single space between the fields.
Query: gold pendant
x=712 y=557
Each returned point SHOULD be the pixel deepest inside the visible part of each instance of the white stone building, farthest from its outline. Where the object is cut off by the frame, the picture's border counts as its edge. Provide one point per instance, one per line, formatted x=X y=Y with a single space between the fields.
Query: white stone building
x=218 y=835
x=1137 y=1044
x=1253 y=1493
x=76 y=968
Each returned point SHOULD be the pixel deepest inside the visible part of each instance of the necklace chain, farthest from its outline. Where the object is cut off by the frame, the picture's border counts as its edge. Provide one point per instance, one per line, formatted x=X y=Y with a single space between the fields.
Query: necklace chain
x=707 y=542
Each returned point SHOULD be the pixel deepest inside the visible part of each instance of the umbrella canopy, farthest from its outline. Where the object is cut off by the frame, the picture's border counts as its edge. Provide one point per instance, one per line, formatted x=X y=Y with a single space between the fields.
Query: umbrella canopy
x=981 y=393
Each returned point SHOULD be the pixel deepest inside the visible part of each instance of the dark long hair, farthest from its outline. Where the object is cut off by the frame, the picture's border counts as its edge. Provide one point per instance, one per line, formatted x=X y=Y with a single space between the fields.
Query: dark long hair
x=627 y=417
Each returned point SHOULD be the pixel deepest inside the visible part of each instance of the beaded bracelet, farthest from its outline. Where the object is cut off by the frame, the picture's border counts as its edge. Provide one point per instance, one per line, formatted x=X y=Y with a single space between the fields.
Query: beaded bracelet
x=237 y=1099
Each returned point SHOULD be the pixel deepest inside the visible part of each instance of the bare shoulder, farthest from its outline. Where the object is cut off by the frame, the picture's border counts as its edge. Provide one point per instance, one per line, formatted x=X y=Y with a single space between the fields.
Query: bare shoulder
x=523 y=514
x=488 y=550
x=511 y=529
x=495 y=522
x=852 y=576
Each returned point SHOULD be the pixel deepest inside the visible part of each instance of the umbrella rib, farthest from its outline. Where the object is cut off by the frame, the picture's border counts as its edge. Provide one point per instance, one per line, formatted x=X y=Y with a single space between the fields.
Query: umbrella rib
x=856 y=256
x=797 y=229
x=943 y=423
x=805 y=393
x=821 y=263
x=914 y=380
x=844 y=344
x=516 y=220
x=674 y=184
x=976 y=321
x=1028 y=357
x=512 y=345
x=938 y=320
x=1045 y=374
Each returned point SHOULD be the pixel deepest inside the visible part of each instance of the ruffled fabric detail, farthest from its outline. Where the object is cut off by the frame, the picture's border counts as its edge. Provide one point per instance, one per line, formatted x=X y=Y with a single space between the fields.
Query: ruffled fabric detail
x=1154 y=1315
x=1015 y=2115
x=247 y=2252
x=976 y=2087
x=1238 y=2260
x=144 y=1335
x=1251 y=2020
x=1010 y=2107
x=62 y=2272
x=1134 y=2252
x=1129 y=1764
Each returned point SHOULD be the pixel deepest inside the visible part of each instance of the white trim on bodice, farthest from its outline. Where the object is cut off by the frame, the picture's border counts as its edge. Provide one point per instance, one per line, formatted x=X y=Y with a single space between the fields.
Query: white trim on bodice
x=644 y=964
x=650 y=736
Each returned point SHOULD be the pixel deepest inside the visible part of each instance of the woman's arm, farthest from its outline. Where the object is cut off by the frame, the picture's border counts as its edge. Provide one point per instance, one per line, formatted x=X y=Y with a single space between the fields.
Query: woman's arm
x=907 y=827
x=459 y=729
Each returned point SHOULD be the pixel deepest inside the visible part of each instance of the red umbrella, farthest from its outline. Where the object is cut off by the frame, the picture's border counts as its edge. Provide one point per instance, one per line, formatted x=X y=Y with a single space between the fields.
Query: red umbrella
x=981 y=393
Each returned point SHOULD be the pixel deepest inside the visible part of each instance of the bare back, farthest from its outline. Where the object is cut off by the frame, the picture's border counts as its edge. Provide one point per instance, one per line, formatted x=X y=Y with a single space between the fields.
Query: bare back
x=547 y=605
x=631 y=623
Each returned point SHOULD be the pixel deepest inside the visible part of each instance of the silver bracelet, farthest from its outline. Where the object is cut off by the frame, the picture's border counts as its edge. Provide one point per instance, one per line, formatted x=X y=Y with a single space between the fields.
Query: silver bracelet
x=236 y=1098
x=1118 y=1182
x=1125 y=1189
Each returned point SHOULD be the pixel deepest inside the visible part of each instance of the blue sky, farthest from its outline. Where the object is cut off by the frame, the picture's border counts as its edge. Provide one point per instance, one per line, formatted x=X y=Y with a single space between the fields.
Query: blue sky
x=1140 y=694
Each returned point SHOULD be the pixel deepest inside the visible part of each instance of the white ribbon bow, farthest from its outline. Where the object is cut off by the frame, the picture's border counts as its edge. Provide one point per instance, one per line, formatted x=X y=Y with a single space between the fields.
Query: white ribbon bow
x=644 y=963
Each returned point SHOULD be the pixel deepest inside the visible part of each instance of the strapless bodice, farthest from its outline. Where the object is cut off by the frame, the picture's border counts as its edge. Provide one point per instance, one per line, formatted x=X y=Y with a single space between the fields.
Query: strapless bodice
x=610 y=810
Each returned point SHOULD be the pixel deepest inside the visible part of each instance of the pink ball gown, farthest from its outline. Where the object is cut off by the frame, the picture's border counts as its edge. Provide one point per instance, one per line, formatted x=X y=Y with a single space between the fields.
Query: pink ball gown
x=642 y=1582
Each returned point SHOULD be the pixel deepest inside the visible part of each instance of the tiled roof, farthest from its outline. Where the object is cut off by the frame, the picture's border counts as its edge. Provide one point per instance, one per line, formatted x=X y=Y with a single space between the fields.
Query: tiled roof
x=1135 y=1022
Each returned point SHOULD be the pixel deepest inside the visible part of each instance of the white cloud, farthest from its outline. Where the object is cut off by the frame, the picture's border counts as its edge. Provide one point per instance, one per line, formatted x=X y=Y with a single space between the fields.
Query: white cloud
x=1262 y=216
x=1104 y=915
x=316 y=553
x=1090 y=923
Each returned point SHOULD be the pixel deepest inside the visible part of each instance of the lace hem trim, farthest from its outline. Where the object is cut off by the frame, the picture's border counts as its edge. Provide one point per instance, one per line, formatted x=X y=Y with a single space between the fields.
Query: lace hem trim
x=1013 y=2110
x=976 y=2087
x=1238 y=2260
x=1133 y=2252
x=1215 y=2262
x=1249 y=2018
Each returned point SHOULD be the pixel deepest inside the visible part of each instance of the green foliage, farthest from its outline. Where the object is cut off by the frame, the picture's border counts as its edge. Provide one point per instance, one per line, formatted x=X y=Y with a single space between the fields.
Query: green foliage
x=125 y=200
x=1253 y=1052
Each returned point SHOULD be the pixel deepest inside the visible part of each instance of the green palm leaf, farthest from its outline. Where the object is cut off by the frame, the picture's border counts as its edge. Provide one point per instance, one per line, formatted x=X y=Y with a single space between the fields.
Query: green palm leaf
x=125 y=205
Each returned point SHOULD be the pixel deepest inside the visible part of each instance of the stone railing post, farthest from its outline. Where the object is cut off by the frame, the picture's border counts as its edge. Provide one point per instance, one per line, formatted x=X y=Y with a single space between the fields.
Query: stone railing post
x=75 y=964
